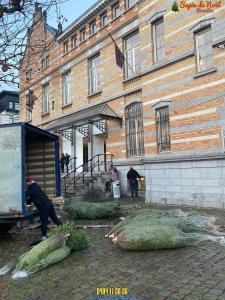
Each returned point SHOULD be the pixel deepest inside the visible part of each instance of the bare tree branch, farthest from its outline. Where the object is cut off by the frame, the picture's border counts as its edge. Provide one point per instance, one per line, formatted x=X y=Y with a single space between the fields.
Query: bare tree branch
x=17 y=23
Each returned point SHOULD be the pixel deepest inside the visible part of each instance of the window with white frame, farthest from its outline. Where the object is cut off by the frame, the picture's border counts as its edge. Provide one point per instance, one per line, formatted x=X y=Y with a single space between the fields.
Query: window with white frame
x=134 y=129
x=116 y=11
x=93 y=27
x=17 y=106
x=130 y=3
x=66 y=81
x=45 y=62
x=163 y=129
x=131 y=53
x=11 y=105
x=104 y=20
x=204 y=51
x=28 y=110
x=29 y=74
x=94 y=74
x=66 y=47
x=83 y=35
x=158 y=40
x=73 y=41
x=45 y=98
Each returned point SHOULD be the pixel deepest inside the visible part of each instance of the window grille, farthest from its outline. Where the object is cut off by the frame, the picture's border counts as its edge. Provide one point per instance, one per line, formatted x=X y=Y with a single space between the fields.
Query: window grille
x=134 y=129
x=163 y=129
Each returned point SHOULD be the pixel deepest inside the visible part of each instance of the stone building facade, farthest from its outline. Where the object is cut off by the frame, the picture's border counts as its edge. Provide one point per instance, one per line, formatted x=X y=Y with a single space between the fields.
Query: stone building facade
x=163 y=113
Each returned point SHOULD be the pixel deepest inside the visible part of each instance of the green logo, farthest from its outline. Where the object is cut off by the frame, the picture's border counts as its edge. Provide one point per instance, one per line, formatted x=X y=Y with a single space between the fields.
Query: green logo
x=175 y=7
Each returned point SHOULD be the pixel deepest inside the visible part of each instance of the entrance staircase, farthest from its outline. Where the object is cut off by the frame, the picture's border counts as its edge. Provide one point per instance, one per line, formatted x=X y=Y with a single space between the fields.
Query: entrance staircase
x=87 y=178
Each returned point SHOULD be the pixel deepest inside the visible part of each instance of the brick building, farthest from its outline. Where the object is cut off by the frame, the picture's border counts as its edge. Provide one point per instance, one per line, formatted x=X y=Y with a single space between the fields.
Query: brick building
x=9 y=107
x=163 y=113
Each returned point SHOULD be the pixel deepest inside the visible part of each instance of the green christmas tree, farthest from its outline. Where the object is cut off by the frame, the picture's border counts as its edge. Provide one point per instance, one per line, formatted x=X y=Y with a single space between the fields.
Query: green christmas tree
x=175 y=7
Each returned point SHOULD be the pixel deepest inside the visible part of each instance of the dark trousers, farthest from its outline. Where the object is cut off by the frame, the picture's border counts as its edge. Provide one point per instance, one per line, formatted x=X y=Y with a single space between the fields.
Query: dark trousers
x=108 y=186
x=62 y=168
x=67 y=168
x=134 y=188
x=47 y=211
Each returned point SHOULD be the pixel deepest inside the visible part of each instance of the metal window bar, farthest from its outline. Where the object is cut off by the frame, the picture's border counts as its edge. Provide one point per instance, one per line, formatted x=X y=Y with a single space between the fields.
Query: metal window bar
x=134 y=129
x=163 y=129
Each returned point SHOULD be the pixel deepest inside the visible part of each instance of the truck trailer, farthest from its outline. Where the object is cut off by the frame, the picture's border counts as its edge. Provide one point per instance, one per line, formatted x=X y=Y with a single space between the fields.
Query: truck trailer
x=26 y=151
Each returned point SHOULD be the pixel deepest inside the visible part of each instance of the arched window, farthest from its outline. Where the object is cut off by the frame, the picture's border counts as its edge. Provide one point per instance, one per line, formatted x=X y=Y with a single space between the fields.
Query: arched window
x=134 y=129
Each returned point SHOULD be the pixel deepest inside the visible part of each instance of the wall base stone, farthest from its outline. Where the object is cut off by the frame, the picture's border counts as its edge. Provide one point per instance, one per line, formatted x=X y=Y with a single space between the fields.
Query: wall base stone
x=197 y=184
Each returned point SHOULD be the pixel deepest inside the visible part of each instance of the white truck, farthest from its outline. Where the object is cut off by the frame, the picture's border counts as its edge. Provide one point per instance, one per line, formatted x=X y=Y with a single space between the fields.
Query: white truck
x=25 y=151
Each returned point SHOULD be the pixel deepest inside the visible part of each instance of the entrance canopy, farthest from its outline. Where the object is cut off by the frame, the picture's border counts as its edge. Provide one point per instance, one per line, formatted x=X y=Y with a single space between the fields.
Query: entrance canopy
x=90 y=115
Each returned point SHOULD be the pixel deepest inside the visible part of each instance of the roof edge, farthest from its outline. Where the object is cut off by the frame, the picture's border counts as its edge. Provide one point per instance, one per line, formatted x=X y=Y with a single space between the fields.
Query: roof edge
x=88 y=14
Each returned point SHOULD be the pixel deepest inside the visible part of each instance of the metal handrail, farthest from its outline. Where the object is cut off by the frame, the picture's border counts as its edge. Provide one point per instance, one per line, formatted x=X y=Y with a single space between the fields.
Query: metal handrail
x=79 y=172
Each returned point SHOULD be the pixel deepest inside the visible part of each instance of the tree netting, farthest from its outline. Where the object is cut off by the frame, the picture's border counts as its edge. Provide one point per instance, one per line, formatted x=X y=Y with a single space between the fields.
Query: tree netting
x=57 y=247
x=91 y=210
x=152 y=229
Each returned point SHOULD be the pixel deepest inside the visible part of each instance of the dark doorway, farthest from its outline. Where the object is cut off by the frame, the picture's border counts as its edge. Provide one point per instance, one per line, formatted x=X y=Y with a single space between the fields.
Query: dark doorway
x=85 y=153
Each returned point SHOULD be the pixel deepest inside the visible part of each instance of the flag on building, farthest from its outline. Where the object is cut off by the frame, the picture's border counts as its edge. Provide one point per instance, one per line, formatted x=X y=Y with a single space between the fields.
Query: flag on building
x=119 y=56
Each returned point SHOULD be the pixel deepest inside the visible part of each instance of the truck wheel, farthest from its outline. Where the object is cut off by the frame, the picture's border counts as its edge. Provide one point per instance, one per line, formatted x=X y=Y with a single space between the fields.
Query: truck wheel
x=4 y=228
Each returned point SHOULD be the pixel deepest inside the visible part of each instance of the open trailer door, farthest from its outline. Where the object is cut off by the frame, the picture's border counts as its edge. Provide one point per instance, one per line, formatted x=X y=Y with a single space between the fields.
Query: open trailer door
x=25 y=151
x=11 y=169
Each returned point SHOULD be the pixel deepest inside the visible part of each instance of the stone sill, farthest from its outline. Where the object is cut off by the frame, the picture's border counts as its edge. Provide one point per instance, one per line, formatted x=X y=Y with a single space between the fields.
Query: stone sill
x=45 y=114
x=43 y=69
x=98 y=93
x=93 y=34
x=145 y=160
x=131 y=79
x=200 y=74
x=129 y=8
x=103 y=27
x=83 y=41
x=64 y=54
x=67 y=105
x=115 y=18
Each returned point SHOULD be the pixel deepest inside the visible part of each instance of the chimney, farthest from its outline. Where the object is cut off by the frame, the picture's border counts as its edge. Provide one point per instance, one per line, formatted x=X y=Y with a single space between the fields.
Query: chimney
x=59 y=28
x=37 y=13
x=45 y=17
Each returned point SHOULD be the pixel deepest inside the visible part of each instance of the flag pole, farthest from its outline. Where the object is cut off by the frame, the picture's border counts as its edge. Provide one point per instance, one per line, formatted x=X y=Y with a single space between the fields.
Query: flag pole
x=120 y=51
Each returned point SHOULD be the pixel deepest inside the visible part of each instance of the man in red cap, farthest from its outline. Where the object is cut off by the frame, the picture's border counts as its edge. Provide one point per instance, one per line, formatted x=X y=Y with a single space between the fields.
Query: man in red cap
x=35 y=194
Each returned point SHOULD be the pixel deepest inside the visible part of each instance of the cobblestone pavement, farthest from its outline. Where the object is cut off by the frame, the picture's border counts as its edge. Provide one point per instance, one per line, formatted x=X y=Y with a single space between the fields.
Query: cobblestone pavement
x=190 y=273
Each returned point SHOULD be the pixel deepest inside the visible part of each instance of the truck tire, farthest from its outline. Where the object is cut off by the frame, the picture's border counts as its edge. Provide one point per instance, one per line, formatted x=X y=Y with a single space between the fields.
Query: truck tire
x=4 y=228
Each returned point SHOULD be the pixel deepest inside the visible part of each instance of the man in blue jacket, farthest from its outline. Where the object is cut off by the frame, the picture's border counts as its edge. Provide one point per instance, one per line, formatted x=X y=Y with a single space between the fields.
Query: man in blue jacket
x=35 y=194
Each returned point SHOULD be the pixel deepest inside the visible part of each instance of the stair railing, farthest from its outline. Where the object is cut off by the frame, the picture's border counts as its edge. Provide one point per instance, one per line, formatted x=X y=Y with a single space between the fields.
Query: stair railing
x=95 y=163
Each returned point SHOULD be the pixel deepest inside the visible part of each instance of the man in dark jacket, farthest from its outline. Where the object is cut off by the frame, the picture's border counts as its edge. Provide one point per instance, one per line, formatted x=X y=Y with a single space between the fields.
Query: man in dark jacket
x=62 y=162
x=132 y=176
x=35 y=194
x=67 y=161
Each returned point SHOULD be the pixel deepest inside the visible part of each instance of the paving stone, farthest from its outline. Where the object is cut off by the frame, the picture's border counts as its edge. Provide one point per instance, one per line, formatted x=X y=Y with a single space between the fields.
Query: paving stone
x=192 y=273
